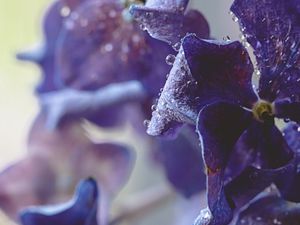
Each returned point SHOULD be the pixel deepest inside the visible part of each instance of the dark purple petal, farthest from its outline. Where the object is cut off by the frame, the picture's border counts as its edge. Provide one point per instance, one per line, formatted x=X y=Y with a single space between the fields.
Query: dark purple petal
x=221 y=69
x=287 y=109
x=170 y=24
x=81 y=210
x=182 y=162
x=270 y=209
x=272 y=29
x=203 y=72
x=219 y=127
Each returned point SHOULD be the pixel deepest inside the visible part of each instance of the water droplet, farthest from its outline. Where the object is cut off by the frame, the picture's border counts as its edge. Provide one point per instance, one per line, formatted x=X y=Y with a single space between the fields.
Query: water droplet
x=65 y=11
x=108 y=47
x=146 y=123
x=143 y=27
x=176 y=46
x=153 y=107
x=170 y=59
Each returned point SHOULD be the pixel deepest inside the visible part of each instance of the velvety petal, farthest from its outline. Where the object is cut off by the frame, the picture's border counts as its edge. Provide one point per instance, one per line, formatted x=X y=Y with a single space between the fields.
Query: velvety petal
x=29 y=181
x=182 y=162
x=81 y=210
x=203 y=72
x=170 y=23
x=287 y=109
x=270 y=209
x=108 y=43
x=272 y=29
x=271 y=160
x=214 y=123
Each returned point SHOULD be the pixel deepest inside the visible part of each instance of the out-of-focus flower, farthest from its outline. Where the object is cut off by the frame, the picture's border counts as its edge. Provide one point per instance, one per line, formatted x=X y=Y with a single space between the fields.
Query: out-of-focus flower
x=210 y=86
x=57 y=160
x=80 y=210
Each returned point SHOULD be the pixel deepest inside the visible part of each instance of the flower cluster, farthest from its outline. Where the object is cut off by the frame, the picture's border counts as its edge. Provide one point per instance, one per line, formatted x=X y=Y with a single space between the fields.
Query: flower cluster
x=98 y=64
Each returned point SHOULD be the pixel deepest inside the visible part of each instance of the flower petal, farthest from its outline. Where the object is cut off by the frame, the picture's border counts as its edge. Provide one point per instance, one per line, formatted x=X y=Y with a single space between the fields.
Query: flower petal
x=170 y=23
x=270 y=209
x=272 y=29
x=214 y=122
x=287 y=109
x=81 y=210
x=182 y=162
x=108 y=43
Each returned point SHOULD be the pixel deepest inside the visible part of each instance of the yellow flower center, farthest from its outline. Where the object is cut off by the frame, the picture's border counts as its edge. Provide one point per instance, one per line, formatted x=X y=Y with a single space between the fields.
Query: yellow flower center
x=263 y=111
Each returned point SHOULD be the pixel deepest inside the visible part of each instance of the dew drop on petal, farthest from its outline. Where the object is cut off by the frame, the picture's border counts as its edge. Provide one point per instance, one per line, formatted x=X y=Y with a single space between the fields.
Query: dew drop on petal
x=170 y=59
x=176 y=46
x=146 y=123
x=65 y=11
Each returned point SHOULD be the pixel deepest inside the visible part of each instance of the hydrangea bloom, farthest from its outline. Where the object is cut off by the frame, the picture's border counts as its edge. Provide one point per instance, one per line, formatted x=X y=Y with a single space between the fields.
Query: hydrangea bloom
x=81 y=210
x=210 y=86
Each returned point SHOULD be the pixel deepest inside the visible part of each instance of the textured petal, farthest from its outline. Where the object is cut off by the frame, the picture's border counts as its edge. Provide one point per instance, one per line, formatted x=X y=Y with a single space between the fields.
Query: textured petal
x=174 y=5
x=168 y=23
x=182 y=162
x=270 y=209
x=272 y=29
x=287 y=109
x=214 y=123
x=81 y=210
x=203 y=72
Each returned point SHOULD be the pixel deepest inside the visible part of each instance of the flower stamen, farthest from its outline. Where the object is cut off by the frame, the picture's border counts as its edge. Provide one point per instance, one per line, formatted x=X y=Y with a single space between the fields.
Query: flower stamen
x=263 y=111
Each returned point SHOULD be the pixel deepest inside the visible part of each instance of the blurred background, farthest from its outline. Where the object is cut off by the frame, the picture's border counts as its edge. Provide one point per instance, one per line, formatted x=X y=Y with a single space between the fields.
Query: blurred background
x=20 y=28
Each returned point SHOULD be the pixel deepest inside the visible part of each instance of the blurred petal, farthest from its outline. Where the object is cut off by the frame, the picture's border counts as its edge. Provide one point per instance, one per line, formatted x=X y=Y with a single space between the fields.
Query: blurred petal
x=270 y=209
x=30 y=181
x=169 y=21
x=287 y=109
x=66 y=103
x=81 y=210
x=108 y=43
x=272 y=29
x=214 y=123
x=182 y=161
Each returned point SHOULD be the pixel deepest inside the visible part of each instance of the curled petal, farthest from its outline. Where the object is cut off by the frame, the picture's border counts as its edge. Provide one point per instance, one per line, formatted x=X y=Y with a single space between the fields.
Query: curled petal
x=270 y=209
x=81 y=210
x=214 y=122
x=170 y=24
x=272 y=29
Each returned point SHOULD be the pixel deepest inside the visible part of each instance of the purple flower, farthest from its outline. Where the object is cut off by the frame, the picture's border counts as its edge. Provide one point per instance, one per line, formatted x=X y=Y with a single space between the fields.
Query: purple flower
x=56 y=161
x=81 y=210
x=210 y=86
